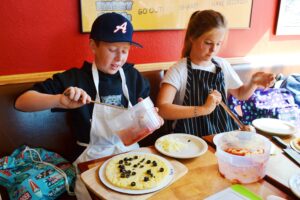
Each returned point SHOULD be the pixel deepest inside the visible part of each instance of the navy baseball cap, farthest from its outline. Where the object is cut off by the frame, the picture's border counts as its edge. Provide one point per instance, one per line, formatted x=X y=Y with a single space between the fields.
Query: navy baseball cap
x=112 y=27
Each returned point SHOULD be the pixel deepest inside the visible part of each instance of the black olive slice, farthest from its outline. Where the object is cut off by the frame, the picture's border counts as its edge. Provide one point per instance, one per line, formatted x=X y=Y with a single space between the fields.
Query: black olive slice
x=132 y=184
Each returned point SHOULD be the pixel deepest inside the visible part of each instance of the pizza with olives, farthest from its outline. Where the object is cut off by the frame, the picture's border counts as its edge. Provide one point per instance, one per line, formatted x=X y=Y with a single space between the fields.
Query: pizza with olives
x=136 y=171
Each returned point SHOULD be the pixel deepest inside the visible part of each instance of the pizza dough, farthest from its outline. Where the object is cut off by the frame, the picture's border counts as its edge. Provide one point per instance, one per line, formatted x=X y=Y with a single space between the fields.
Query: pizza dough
x=136 y=171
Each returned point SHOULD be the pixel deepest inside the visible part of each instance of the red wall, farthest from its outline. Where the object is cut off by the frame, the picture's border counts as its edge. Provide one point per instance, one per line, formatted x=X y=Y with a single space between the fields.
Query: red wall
x=39 y=36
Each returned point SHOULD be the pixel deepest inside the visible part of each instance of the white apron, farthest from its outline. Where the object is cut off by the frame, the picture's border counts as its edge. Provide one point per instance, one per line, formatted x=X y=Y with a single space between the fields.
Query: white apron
x=103 y=142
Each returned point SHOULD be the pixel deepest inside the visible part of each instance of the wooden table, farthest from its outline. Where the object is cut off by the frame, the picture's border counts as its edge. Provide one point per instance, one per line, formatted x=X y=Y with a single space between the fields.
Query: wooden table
x=203 y=178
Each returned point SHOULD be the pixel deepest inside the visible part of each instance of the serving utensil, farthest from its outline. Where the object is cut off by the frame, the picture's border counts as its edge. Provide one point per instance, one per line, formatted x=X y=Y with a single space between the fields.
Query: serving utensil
x=232 y=115
x=241 y=125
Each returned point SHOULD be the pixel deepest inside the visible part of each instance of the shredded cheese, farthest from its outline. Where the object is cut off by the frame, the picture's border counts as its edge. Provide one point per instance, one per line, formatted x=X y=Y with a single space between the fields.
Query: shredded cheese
x=170 y=144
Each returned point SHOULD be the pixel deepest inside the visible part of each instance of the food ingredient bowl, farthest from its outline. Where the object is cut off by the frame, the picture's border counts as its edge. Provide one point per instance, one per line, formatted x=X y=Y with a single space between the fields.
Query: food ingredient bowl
x=242 y=156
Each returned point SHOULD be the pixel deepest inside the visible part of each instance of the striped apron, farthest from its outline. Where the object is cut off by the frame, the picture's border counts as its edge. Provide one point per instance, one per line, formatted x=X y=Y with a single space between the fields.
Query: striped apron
x=199 y=83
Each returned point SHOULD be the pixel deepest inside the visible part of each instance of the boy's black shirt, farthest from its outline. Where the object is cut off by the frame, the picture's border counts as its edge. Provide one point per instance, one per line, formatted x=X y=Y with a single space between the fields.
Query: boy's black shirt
x=109 y=85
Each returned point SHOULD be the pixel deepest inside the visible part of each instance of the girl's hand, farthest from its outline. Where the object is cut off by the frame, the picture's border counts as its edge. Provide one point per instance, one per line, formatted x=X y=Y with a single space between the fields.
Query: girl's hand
x=263 y=80
x=213 y=99
x=74 y=97
x=248 y=128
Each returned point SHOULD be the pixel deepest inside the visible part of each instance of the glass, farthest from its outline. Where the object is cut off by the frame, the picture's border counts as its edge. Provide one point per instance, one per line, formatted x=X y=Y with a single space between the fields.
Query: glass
x=291 y=115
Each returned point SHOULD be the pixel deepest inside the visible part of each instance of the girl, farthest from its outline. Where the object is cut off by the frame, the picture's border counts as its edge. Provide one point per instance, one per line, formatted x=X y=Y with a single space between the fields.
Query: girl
x=193 y=88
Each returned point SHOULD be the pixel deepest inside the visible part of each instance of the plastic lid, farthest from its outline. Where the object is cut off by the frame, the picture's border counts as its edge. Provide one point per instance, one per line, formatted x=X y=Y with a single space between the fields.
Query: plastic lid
x=242 y=139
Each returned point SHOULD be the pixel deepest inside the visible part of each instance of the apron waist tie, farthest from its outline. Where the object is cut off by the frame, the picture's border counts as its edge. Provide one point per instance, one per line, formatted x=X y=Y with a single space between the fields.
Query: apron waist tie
x=103 y=145
x=82 y=144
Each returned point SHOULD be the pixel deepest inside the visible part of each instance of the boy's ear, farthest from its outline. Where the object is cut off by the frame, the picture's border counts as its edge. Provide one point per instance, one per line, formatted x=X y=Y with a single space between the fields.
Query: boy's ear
x=92 y=46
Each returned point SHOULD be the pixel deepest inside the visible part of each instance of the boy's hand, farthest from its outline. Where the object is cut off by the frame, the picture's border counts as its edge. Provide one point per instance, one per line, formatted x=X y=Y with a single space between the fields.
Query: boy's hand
x=74 y=97
x=262 y=79
x=161 y=120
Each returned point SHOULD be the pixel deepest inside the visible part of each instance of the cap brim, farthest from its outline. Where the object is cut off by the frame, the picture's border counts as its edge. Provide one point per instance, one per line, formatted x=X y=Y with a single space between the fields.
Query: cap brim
x=110 y=41
x=136 y=44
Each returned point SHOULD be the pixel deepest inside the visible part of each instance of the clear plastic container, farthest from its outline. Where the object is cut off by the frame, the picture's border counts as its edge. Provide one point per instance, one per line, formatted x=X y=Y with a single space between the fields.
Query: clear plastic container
x=135 y=123
x=291 y=115
x=242 y=156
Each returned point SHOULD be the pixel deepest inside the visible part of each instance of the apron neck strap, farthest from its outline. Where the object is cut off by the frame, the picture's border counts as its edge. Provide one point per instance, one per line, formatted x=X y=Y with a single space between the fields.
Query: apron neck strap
x=124 y=86
x=123 y=78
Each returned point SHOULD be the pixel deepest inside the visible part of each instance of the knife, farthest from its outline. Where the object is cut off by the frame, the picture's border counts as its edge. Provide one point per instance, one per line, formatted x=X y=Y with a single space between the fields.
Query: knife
x=98 y=102
x=287 y=149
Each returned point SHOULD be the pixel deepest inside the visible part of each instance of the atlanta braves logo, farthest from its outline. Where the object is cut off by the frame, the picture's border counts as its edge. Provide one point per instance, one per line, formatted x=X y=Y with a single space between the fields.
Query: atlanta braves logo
x=121 y=27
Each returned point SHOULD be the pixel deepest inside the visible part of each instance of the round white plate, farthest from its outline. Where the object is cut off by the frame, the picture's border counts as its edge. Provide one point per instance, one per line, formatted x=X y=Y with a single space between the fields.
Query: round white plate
x=294 y=183
x=194 y=146
x=163 y=184
x=274 y=126
x=293 y=146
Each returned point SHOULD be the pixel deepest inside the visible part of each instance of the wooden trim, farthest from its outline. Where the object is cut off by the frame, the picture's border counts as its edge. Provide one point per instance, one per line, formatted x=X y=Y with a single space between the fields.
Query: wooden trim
x=26 y=78
x=40 y=76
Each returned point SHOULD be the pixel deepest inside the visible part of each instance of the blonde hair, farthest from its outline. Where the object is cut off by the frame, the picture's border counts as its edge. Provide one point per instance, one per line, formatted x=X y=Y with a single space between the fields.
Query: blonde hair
x=201 y=22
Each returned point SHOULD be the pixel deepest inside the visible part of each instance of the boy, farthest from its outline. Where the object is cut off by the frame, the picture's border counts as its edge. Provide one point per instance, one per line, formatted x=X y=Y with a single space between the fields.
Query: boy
x=108 y=79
